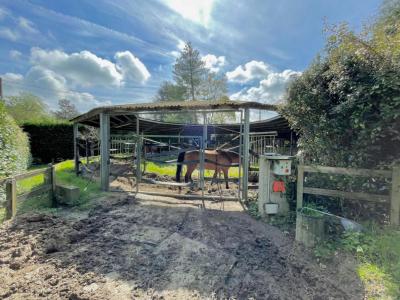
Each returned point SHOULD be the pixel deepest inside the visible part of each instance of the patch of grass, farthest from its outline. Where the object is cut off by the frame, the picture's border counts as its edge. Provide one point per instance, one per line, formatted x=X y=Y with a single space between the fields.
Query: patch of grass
x=378 y=253
x=27 y=184
x=170 y=170
x=2 y=214
x=65 y=174
x=378 y=285
x=252 y=210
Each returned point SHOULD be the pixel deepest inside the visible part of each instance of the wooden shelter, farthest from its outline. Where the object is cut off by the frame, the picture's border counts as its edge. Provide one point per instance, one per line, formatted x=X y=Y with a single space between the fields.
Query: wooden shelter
x=132 y=118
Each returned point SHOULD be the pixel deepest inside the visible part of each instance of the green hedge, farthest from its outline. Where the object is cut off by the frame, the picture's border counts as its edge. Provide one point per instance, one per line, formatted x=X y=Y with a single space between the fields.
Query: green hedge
x=50 y=142
x=14 y=145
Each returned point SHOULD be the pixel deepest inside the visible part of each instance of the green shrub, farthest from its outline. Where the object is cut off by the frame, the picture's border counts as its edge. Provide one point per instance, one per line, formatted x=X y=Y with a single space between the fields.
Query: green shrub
x=346 y=105
x=14 y=145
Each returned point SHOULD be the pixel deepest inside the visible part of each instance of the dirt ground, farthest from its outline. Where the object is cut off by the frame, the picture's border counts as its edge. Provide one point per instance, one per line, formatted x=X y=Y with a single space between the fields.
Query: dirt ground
x=122 y=177
x=147 y=247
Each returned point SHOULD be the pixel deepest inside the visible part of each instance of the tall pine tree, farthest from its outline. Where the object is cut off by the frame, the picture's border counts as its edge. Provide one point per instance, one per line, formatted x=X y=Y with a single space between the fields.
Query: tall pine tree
x=189 y=71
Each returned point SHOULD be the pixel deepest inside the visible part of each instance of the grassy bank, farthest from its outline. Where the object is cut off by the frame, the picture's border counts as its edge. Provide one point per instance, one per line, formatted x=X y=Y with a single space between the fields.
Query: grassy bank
x=378 y=254
x=376 y=249
x=64 y=175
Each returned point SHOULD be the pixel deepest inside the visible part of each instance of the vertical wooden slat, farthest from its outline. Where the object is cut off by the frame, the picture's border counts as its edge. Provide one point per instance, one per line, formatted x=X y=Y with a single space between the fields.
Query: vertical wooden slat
x=300 y=186
x=395 y=197
x=11 y=196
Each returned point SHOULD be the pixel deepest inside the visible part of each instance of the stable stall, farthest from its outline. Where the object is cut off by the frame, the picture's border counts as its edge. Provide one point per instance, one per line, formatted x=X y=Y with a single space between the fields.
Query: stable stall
x=134 y=130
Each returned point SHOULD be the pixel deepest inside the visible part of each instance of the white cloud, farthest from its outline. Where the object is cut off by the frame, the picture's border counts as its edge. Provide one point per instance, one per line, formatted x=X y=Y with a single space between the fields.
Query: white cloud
x=250 y=71
x=132 y=68
x=181 y=44
x=8 y=34
x=213 y=63
x=83 y=68
x=198 y=11
x=26 y=25
x=15 y=54
x=87 y=69
x=270 y=90
x=48 y=85
x=3 y=13
x=55 y=74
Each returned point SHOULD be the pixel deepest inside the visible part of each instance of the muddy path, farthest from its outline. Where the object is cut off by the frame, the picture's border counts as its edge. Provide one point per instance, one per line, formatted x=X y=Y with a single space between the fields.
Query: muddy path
x=153 y=248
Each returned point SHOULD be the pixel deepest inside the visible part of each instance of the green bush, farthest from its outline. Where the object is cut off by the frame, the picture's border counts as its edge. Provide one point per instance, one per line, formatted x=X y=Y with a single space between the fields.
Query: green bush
x=14 y=146
x=346 y=105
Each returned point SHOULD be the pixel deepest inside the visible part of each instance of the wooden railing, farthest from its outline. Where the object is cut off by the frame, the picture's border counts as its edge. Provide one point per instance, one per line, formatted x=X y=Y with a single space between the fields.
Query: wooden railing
x=393 y=198
x=11 y=188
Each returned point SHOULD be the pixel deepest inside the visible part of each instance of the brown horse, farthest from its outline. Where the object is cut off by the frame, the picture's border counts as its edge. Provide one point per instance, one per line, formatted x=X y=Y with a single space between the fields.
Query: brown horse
x=217 y=160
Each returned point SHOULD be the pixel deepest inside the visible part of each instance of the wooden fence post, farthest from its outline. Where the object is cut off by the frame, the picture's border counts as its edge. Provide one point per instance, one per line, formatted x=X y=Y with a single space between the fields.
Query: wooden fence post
x=395 y=196
x=300 y=186
x=53 y=185
x=11 y=196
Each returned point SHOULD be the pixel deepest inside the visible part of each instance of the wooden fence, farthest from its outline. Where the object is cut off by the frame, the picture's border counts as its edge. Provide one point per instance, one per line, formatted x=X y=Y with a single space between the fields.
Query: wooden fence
x=12 y=197
x=393 y=198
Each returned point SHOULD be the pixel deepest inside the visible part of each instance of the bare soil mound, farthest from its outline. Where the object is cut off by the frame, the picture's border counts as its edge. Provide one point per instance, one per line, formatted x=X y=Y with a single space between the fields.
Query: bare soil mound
x=152 y=248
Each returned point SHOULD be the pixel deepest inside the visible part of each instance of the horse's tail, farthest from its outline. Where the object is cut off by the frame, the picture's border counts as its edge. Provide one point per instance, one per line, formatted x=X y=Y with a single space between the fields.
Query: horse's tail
x=181 y=158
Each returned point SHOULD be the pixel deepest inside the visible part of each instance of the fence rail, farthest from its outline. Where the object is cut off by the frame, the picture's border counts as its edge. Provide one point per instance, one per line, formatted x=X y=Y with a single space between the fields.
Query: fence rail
x=393 y=198
x=11 y=188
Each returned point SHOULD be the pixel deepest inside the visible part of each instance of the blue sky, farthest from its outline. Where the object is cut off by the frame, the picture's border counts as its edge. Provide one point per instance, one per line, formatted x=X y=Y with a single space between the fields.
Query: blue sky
x=118 y=51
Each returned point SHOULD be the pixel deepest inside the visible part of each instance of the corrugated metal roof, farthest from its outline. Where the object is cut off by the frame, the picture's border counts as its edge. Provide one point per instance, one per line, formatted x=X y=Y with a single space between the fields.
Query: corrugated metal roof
x=122 y=119
x=173 y=106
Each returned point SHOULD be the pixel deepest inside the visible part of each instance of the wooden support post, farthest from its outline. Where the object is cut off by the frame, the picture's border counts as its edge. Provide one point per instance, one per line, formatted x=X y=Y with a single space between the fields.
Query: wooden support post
x=11 y=196
x=395 y=197
x=104 y=151
x=300 y=186
x=246 y=145
x=76 y=150
x=52 y=182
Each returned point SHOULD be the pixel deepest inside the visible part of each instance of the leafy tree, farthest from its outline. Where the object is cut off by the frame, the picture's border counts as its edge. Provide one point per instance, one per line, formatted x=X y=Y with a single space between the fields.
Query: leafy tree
x=66 y=110
x=346 y=106
x=189 y=70
x=169 y=91
x=222 y=117
x=27 y=108
x=213 y=87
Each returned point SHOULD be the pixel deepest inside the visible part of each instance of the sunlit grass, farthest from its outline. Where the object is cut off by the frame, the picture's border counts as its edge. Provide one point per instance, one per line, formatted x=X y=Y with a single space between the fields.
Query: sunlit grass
x=170 y=170
x=377 y=283
x=64 y=175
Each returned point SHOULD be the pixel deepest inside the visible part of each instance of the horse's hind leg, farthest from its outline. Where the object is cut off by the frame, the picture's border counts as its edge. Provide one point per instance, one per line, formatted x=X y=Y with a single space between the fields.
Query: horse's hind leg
x=213 y=180
x=188 y=175
x=226 y=178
